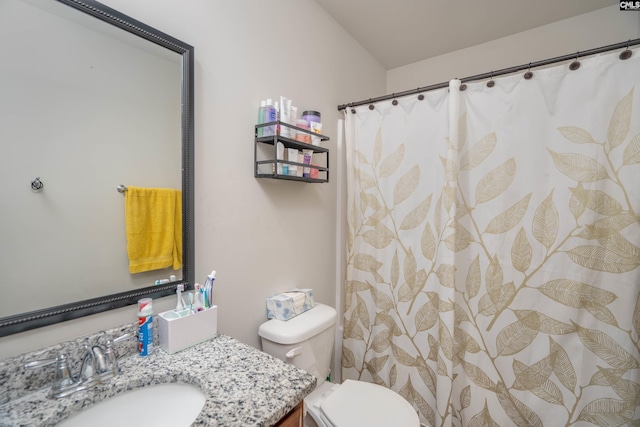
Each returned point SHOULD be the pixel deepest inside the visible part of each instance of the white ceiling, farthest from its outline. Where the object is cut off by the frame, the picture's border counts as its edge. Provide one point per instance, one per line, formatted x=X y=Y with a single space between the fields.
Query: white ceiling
x=400 y=32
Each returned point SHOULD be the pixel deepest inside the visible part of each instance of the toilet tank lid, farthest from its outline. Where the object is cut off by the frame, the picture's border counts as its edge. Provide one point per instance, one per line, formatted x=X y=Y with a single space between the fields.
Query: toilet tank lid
x=300 y=328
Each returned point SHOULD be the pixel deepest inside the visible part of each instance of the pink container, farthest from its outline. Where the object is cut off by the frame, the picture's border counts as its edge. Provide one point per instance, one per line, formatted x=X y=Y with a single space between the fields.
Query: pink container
x=302 y=136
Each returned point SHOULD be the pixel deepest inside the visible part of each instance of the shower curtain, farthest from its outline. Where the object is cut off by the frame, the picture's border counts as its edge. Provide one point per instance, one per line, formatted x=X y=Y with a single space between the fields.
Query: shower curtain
x=493 y=248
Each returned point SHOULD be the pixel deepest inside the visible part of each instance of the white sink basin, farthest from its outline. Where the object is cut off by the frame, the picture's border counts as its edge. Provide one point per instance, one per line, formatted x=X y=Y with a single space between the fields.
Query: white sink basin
x=171 y=405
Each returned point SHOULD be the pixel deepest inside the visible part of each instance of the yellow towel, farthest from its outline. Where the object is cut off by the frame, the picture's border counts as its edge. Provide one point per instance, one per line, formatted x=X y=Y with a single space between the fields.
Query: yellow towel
x=154 y=228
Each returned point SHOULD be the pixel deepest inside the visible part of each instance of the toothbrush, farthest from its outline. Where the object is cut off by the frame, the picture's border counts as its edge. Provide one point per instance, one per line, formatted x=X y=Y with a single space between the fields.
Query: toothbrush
x=184 y=304
x=204 y=297
x=190 y=303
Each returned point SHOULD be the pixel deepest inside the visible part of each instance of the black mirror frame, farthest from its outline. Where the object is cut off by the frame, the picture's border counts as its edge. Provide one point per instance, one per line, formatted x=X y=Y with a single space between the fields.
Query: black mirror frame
x=39 y=318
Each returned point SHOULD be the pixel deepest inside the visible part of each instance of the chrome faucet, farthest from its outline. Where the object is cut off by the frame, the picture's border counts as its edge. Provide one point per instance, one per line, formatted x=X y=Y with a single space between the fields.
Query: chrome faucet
x=107 y=358
x=98 y=365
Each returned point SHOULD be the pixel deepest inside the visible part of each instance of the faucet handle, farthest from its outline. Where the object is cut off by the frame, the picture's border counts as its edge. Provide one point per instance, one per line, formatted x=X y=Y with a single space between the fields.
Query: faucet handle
x=108 y=359
x=64 y=381
x=109 y=343
x=39 y=363
x=123 y=337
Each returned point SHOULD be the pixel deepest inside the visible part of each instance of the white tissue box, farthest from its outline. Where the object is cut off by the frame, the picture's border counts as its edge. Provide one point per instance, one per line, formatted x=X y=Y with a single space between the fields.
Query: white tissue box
x=284 y=307
x=178 y=332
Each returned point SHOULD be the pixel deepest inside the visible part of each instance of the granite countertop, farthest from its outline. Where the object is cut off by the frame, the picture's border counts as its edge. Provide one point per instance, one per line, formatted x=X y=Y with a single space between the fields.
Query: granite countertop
x=243 y=386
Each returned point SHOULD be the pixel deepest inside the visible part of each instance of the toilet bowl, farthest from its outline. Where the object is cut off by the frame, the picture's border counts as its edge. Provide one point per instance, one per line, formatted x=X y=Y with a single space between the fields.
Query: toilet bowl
x=306 y=341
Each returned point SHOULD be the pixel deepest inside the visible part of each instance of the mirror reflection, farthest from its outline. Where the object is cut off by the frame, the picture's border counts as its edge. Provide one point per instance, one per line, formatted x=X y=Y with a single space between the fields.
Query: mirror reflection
x=84 y=107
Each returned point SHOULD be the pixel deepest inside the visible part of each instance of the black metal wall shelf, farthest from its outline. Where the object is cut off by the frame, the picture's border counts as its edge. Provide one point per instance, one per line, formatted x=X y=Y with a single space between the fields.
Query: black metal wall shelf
x=269 y=166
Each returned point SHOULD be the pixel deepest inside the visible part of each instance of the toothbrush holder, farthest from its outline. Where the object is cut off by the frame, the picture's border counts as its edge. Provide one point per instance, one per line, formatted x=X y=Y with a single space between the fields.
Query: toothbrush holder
x=178 y=330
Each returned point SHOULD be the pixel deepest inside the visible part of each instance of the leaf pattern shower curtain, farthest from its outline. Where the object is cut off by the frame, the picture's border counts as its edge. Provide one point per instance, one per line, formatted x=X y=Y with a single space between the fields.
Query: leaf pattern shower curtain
x=493 y=248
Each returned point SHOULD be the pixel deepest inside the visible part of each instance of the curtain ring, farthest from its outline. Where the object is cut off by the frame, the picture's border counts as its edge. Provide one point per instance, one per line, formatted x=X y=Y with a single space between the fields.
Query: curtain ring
x=491 y=83
x=395 y=101
x=371 y=106
x=420 y=97
x=528 y=75
x=463 y=87
x=626 y=54
x=575 y=64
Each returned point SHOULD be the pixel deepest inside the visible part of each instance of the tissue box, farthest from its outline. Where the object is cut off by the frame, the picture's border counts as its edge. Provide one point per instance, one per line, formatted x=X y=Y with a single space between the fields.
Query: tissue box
x=178 y=331
x=283 y=307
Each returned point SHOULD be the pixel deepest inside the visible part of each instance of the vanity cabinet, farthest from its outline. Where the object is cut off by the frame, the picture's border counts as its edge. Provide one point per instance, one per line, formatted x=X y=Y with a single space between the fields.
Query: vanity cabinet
x=295 y=418
x=269 y=165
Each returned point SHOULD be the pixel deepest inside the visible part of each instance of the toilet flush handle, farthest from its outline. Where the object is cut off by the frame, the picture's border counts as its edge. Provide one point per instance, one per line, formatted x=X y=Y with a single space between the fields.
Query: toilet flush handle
x=294 y=352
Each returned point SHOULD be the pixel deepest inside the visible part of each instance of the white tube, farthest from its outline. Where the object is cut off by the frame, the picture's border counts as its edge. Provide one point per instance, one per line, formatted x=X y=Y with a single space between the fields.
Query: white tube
x=292 y=156
x=285 y=116
x=280 y=156
x=307 y=155
x=317 y=128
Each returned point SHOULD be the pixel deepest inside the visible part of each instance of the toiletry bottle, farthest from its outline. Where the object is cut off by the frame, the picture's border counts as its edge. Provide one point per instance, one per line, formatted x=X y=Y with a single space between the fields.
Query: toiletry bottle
x=145 y=306
x=312 y=116
x=145 y=334
x=276 y=128
x=285 y=116
x=270 y=115
x=197 y=298
x=261 y=111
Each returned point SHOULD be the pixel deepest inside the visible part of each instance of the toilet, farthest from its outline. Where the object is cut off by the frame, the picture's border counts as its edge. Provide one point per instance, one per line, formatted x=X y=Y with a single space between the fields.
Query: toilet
x=306 y=341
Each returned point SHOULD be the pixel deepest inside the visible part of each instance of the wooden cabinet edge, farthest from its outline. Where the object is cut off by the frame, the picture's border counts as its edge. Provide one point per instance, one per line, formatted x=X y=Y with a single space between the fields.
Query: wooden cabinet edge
x=294 y=418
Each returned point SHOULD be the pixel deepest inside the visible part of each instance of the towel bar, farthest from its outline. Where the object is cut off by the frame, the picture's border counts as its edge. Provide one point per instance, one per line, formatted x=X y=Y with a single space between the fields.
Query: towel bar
x=121 y=188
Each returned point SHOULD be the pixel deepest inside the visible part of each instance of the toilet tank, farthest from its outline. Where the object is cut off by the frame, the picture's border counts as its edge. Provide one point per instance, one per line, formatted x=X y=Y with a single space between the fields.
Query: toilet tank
x=306 y=341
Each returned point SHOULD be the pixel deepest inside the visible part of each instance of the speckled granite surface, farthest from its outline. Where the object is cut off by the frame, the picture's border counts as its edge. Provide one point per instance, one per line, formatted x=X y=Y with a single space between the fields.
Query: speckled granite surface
x=244 y=386
x=15 y=381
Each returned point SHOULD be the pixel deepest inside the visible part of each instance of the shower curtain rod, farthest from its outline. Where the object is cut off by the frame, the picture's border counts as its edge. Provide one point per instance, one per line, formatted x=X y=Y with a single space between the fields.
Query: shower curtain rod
x=501 y=72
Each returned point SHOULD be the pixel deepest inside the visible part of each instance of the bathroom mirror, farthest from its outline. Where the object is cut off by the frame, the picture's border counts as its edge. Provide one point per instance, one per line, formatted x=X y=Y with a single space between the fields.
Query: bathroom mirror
x=90 y=99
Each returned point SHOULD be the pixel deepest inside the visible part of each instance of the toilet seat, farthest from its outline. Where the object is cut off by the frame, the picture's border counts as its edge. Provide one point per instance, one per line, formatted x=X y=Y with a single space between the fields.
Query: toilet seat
x=362 y=404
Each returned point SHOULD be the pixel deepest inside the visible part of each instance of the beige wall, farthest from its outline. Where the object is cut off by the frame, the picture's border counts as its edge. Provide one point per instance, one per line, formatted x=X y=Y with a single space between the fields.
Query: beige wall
x=599 y=28
x=262 y=236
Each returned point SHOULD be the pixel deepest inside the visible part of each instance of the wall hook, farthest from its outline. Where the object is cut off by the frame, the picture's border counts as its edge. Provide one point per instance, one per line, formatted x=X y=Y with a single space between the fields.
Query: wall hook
x=36 y=184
